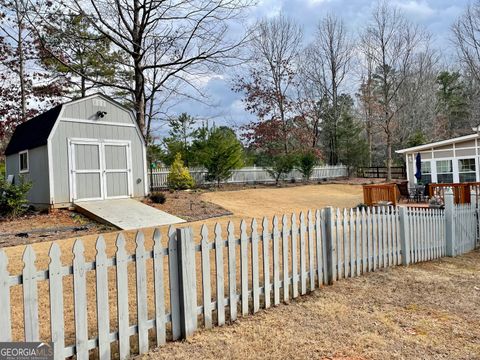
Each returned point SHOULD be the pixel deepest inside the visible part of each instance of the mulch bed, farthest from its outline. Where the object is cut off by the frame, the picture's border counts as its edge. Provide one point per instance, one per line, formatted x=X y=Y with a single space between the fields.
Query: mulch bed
x=37 y=226
x=189 y=206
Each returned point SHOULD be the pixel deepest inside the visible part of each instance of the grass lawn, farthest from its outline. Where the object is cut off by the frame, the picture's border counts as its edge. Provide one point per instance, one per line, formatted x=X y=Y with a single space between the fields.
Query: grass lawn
x=425 y=311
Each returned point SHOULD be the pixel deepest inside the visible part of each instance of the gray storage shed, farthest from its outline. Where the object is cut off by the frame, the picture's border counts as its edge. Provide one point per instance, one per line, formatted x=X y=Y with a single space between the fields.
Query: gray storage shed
x=87 y=149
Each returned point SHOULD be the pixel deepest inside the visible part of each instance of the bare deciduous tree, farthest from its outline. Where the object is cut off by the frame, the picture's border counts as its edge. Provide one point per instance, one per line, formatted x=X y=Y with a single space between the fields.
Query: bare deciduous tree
x=391 y=41
x=189 y=38
x=466 y=37
x=326 y=66
x=270 y=85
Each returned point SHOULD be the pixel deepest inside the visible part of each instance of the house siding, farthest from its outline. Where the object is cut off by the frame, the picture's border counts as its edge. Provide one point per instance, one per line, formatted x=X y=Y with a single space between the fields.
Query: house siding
x=87 y=110
x=466 y=149
x=38 y=174
x=67 y=129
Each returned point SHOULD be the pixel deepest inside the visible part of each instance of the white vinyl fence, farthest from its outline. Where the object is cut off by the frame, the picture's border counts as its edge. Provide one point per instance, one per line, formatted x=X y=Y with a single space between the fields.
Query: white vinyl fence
x=226 y=274
x=249 y=175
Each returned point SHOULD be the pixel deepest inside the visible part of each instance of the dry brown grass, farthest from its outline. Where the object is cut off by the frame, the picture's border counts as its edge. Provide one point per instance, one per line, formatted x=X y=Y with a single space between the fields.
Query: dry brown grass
x=425 y=311
x=244 y=204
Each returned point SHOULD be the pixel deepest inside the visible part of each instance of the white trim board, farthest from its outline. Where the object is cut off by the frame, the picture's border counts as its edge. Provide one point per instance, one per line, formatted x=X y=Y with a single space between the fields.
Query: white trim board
x=102 y=171
x=95 y=122
x=438 y=143
x=27 y=170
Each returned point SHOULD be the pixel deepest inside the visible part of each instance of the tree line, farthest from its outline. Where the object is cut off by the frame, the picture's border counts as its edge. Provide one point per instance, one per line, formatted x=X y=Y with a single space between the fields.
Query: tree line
x=355 y=98
x=343 y=96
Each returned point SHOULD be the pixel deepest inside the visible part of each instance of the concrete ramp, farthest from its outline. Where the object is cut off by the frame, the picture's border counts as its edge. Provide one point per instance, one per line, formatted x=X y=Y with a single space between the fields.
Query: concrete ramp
x=126 y=214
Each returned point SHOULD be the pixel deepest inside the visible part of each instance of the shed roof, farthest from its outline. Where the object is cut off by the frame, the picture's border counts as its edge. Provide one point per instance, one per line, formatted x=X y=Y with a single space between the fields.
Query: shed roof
x=34 y=132
x=438 y=143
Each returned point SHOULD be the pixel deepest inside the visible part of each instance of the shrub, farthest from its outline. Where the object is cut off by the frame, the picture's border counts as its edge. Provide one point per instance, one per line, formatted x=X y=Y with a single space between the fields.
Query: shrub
x=158 y=197
x=306 y=163
x=179 y=177
x=280 y=167
x=13 y=198
x=220 y=154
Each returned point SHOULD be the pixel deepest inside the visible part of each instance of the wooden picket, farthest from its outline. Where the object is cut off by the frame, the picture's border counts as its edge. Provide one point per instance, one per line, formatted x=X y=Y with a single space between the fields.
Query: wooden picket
x=5 y=314
x=286 y=280
x=158 y=256
x=266 y=263
x=122 y=299
x=255 y=268
x=80 y=301
x=294 y=232
x=220 y=275
x=103 y=310
x=206 y=289
x=244 y=266
x=317 y=248
x=56 y=300
x=232 y=272
x=141 y=286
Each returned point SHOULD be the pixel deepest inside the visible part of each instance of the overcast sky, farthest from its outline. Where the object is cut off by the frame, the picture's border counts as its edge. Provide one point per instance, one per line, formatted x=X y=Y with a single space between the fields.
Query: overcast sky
x=226 y=106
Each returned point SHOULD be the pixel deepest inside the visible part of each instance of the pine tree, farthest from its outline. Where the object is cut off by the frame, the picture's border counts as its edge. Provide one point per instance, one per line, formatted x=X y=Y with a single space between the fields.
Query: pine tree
x=74 y=51
x=220 y=153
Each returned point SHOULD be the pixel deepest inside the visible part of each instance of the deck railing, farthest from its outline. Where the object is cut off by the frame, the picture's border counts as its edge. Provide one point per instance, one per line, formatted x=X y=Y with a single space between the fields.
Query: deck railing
x=462 y=192
x=375 y=193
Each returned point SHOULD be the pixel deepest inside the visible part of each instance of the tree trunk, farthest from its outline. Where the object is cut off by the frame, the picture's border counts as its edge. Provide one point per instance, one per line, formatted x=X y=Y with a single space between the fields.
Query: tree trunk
x=139 y=90
x=389 y=156
x=21 y=64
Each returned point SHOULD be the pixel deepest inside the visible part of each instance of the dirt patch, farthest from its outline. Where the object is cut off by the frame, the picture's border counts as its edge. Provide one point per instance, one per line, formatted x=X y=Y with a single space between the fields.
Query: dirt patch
x=425 y=311
x=56 y=225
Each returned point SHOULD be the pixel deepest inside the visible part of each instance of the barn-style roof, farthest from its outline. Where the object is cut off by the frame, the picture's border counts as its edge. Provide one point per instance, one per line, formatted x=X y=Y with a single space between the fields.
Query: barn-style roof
x=34 y=132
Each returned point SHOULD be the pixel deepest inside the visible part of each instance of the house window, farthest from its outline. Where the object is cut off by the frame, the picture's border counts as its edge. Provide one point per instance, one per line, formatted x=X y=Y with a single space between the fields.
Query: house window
x=466 y=170
x=444 y=171
x=426 y=172
x=23 y=159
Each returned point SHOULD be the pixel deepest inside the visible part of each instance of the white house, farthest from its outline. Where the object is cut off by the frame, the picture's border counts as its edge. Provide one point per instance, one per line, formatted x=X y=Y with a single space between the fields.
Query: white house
x=449 y=161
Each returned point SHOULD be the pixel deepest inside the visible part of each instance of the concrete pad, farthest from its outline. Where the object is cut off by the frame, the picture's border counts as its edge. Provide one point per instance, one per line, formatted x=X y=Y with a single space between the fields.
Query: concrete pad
x=126 y=214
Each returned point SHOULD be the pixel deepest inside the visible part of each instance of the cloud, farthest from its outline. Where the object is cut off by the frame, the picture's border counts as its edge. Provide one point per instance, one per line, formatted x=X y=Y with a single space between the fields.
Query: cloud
x=225 y=106
x=416 y=8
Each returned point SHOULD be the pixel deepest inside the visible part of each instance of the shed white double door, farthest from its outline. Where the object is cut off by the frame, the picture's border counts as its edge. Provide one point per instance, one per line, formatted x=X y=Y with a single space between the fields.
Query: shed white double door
x=100 y=169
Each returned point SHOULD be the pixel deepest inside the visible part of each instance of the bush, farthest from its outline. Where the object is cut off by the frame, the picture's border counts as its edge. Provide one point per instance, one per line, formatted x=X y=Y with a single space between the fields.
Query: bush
x=220 y=154
x=281 y=166
x=13 y=198
x=158 y=197
x=306 y=163
x=179 y=177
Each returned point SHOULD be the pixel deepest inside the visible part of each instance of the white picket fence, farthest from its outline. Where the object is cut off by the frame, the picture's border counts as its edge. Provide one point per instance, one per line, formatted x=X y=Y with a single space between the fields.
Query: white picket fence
x=240 y=270
x=249 y=175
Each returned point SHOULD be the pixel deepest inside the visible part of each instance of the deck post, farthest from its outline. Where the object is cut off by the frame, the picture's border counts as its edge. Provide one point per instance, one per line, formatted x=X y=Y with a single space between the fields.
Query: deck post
x=404 y=234
x=187 y=282
x=450 y=222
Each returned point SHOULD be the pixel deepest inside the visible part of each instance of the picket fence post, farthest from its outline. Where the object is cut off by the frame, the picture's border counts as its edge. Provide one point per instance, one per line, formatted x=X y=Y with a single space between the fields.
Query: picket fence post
x=187 y=282
x=473 y=198
x=404 y=235
x=330 y=245
x=475 y=204
x=450 y=222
